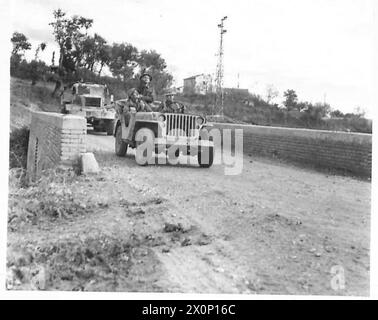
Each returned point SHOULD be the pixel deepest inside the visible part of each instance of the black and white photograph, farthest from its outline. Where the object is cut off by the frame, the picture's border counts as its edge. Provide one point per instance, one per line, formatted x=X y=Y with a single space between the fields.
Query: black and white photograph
x=188 y=147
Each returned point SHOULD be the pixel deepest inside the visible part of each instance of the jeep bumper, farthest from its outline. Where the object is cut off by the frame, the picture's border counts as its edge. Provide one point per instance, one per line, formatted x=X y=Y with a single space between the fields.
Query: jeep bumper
x=183 y=141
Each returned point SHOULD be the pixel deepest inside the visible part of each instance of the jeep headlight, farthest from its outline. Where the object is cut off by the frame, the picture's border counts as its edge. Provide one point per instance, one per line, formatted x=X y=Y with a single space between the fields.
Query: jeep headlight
x=161 y=117
x=199 y=121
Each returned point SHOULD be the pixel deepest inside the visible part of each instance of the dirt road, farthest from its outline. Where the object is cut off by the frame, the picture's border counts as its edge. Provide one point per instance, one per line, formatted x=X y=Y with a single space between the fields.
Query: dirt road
x=275 y=228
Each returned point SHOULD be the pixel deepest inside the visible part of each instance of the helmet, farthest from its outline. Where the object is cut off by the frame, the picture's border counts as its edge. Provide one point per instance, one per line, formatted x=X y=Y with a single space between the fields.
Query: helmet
x=131 y=91
x=145 y=74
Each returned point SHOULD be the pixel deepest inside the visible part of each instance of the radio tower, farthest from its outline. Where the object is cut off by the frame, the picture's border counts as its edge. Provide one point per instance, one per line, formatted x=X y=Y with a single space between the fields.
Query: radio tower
x=219 y=71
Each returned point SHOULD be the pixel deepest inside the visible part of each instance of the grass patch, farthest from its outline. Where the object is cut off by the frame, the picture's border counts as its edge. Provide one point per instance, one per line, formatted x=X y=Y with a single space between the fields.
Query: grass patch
x=55 y=195
x=18 y=147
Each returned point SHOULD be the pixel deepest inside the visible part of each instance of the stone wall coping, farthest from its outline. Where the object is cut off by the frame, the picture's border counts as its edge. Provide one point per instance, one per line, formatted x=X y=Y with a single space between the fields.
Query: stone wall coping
x=302 y=132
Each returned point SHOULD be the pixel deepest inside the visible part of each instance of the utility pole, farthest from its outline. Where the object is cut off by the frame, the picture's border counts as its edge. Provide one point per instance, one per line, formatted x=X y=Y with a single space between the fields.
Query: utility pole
x=219 y=71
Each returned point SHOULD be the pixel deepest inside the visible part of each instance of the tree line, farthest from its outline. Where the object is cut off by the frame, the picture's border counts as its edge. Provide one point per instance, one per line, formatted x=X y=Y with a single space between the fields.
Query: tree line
x=84 y=56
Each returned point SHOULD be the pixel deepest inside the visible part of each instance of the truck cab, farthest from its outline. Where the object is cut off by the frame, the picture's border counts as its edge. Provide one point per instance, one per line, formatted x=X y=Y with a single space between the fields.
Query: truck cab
x=93 y=102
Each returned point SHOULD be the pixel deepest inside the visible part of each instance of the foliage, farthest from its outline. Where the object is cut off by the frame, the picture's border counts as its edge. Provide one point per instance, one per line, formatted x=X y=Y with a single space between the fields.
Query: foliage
x=18 y=147
x=34 y=70
x=95 y=51
x=336 y=114
x=291 y=99
x=151 y=60
x=52 y=196
x=41 y=46
x=123 y=60
x=256 y=110
x=20 y=43
x=70 y=34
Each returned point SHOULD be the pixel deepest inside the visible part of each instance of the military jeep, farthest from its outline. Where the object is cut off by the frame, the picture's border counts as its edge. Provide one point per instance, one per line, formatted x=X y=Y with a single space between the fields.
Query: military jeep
x=162 y=133
x=93 y=102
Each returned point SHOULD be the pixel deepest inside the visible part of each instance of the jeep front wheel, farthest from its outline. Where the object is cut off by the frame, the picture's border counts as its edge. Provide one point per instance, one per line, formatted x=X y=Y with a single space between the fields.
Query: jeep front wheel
x=120 y=146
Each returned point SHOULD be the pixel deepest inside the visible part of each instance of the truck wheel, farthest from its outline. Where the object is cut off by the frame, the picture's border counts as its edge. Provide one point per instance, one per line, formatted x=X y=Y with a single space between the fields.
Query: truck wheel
x=146 y=137
x=205 y=156
x=63 y=109
x=120 y=146
x=109 y=127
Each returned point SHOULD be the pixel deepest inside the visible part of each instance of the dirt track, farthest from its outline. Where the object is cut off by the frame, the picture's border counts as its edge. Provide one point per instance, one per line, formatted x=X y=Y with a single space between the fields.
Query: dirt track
x=275 y=228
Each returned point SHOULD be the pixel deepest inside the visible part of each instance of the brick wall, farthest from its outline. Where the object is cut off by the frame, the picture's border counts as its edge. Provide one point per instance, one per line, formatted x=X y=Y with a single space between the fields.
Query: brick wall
x=54 y=139
x=350 y=152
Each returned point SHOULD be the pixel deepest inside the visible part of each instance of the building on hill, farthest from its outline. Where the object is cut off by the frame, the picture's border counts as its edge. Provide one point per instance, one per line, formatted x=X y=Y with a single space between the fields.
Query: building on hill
x=198 y=84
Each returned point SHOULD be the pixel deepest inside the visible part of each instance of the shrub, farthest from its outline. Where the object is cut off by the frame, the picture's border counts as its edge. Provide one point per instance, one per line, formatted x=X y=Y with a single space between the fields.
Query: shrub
x=18 y=147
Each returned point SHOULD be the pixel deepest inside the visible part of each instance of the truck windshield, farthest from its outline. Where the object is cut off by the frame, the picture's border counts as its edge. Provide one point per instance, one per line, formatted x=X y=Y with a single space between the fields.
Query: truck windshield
x=92 y=90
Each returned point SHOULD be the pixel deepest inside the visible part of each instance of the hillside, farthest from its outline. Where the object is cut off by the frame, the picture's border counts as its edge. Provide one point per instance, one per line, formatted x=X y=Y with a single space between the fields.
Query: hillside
x=254 y=110
x=25 y=97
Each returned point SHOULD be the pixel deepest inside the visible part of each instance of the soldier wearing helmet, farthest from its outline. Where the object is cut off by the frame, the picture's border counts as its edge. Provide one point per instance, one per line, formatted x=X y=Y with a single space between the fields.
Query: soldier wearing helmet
x=144 y=89
x=136 y=101
x=169 y=105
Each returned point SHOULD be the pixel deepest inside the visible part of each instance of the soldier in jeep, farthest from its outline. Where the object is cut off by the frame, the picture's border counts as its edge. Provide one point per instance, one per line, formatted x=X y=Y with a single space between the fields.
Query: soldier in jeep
x=144 y=89
x=128 y=108
x=136 y=101
x=170 y=105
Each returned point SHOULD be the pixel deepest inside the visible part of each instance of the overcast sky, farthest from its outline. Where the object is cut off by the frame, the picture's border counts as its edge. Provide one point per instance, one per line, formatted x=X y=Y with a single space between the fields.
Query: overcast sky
x=323 y=49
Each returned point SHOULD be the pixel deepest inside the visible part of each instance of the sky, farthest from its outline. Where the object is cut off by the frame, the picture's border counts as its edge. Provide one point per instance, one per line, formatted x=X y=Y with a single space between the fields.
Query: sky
x=323 y=49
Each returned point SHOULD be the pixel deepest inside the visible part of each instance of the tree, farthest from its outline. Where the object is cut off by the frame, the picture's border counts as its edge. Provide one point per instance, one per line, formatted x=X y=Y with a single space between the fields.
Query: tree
x=291 y=99
x=337 y=114
x=161 y=81
x=36 y=70
x=324 y=109
x=271 y=93
x=123 y=60
x=155 y=64
x=70 y=34
x=41 y=47
x=104 y=56
x=303 y=106
x=95 y=50
x=20 y=43
x=151 y=60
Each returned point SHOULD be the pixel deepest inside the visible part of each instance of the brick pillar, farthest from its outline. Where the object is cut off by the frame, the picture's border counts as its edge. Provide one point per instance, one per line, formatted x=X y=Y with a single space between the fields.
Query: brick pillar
x=55 y=139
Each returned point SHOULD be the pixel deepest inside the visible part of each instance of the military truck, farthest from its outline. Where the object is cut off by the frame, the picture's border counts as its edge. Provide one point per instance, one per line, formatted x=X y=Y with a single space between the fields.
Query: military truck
x=93 y=102
x=159 y=131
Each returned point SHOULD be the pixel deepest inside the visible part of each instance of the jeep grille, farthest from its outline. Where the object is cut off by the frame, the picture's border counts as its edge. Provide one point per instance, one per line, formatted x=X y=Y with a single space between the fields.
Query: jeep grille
x=180 y=125
x=92 y=102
